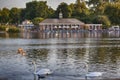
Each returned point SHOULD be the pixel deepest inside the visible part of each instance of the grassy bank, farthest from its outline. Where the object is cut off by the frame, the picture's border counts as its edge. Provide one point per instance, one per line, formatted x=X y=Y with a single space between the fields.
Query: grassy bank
x=8 y=28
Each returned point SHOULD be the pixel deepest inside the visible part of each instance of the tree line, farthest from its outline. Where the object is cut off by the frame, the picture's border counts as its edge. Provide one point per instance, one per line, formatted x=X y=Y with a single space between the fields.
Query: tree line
x=90 y=11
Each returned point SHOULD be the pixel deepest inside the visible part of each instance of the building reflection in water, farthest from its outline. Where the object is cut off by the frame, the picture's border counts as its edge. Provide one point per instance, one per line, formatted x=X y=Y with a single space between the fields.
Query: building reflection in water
x=114 y=33
x=45 y=35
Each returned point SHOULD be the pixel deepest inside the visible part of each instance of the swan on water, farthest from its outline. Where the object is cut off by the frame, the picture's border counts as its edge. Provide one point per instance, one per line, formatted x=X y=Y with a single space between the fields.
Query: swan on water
x=92 y=74
x=42 y=72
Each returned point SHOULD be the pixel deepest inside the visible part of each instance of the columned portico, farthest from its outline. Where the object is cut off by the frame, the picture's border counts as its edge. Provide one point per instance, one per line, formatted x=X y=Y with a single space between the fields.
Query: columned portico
x=94 y=26
x=61 y=24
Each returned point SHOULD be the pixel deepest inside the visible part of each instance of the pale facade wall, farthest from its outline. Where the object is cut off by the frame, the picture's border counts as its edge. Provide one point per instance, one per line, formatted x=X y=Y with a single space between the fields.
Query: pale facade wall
x=94 y=26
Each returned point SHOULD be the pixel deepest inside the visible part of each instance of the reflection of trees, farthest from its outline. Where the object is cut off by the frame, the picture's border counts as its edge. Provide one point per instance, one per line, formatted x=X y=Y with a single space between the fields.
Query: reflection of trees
x=80 y=52
x=68 y=60
x=106 y=54
x=38 y=54
x=63 y=54
x=76 y=54
x=9 y=35
x=101 y=54
x=115 y=53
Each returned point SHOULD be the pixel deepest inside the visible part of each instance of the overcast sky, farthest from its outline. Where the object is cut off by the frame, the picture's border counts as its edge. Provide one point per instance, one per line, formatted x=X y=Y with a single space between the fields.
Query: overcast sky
x=21 y=3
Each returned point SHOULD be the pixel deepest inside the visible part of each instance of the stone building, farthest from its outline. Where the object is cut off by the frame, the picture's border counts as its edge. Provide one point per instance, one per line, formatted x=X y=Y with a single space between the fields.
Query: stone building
x=61 y=24
x=93 y=26
x=26 y=25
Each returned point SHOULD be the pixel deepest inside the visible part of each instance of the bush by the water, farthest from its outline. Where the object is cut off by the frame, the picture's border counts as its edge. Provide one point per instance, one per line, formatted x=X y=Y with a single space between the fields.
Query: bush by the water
x=9 y=28
x=13 y=29
x=2 y=28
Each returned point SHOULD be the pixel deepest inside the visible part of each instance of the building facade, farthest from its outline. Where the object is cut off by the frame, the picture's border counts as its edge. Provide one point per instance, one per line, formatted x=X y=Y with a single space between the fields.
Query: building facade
x=94 y=26
x=26 y=25
x=62 y=24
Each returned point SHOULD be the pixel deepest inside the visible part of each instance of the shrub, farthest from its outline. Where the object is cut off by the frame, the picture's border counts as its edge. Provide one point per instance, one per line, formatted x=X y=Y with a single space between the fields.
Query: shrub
x=13 y=30
x=2 y=28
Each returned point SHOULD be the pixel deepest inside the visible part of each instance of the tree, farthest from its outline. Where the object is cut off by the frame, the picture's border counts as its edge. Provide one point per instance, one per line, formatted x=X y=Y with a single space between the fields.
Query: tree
x=102 y=19
x=42 y=10
x=0 y=16
x=72 y=6
x=15 y=15
x=94 y=3
x=23 y=15
x=37 y=20
x=80 y=10
x=37 y=9
x=50 y=12
x=117 y=0
x=31 y=10
x=5 y=15
x=100 y=8
x=65 y=9
x=113 y=12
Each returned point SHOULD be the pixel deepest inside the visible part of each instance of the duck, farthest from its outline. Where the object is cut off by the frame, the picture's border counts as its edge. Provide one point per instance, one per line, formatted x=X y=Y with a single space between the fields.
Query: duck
x=21 y=51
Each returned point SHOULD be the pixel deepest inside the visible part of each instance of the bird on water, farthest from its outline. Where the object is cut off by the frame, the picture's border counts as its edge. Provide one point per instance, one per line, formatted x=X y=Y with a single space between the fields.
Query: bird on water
x=92 y=74
x=42 y=73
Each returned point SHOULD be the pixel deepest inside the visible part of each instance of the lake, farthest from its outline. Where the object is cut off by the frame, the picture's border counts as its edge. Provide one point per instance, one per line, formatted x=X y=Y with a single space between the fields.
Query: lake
x=63 y=53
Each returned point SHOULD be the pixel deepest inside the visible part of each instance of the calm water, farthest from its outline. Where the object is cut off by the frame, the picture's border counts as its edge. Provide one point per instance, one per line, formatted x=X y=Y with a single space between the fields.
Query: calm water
x=62 y=53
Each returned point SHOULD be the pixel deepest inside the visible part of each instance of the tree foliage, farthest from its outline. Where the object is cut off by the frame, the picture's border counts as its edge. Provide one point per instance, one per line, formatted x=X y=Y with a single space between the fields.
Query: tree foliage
x=15 y=15
x=5 y=16
x=37 y=9
x=102 y=19
x=65 y=9
x=37 y=20
x=99 y=11
x=113 y=12
x=80 y=9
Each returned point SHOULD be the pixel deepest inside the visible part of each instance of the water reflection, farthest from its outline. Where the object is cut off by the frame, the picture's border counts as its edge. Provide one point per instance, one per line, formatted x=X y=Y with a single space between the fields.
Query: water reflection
x=46 y=35
x=62 y=53
x=114 y=33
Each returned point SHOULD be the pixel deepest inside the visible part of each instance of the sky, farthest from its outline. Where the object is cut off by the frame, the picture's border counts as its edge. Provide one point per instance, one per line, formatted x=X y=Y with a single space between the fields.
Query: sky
x=21 y=3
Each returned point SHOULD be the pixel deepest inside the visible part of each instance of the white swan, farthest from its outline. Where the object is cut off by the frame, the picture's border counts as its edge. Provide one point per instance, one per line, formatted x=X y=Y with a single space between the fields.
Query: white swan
x=92 y=74
x=42 y=72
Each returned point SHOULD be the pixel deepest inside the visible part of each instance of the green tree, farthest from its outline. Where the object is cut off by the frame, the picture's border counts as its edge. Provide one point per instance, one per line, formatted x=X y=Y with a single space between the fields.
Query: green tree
x=42 y=10
x=65 y=9
x=72 y=6
x=117 y=0
x=0 y=16
x=94 y=3
x=50 y=12
x=31 y=10
x=15 y=15
x=37 y=20
x=5 y=15
x=102 y=19
x=113 y=12
x=37 y=9
x=80 y=11
x=100 y=8
x=23 y=15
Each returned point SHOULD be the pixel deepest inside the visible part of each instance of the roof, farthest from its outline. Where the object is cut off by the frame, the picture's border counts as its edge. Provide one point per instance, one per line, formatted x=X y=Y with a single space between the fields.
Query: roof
x=94 y=24
x=65 y=21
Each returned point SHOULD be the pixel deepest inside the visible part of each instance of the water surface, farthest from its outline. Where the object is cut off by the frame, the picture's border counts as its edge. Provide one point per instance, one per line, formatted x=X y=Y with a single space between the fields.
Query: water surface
x=63 y=53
